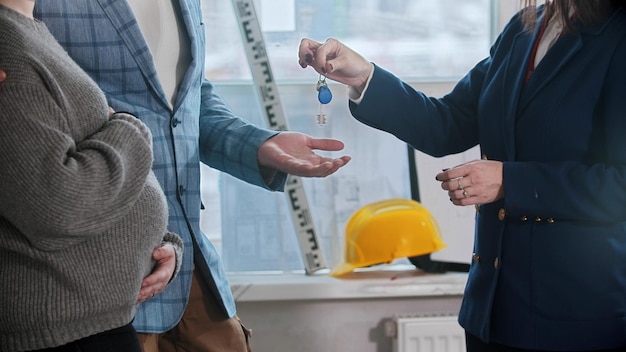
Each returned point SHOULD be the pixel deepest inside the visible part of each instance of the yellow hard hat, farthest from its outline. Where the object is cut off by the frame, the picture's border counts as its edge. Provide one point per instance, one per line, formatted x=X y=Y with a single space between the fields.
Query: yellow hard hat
x=386 y=230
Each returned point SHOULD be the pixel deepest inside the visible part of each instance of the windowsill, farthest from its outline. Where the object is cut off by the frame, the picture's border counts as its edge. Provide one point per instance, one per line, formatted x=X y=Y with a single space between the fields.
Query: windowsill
x=392 y=281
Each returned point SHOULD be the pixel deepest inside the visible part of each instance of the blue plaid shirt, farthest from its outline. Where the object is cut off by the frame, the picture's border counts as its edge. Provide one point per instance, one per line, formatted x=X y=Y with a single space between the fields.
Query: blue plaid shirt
x=104 y=38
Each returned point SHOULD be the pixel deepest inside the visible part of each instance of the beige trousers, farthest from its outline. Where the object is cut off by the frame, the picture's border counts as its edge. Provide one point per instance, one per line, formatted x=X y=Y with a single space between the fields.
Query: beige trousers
x=203 y=328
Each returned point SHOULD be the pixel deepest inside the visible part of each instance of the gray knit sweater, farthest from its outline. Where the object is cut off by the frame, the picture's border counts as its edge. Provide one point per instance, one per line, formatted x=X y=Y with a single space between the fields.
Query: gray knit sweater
x=80 y=210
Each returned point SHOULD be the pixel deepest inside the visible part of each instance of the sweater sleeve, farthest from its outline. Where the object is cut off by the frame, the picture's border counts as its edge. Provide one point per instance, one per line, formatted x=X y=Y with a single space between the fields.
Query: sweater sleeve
x=59 y=190
x=177 y=243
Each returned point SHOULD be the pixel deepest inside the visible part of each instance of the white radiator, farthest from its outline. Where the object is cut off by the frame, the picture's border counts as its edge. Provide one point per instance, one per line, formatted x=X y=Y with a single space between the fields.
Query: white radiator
x=426 y=334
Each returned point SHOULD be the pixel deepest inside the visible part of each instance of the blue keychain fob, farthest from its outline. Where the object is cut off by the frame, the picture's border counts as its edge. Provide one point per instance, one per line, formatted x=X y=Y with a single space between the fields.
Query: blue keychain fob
x=324 y=95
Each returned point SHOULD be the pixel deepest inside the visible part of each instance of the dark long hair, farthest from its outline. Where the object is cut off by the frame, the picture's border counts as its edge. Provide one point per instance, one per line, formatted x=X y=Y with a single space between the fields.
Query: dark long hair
x=588 y=12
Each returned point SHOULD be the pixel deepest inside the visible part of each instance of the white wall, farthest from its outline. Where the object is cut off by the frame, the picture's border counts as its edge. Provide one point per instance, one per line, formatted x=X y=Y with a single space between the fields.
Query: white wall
x=317 y=313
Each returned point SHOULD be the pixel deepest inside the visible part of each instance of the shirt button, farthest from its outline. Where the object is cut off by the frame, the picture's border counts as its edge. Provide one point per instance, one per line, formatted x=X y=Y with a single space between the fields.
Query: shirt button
x=496 y=263
x=501 y=214
x=476 y=258
x=524 y=218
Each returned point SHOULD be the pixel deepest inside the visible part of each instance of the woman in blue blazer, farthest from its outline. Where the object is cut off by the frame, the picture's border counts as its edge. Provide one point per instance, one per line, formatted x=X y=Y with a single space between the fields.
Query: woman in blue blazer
x=548 y=110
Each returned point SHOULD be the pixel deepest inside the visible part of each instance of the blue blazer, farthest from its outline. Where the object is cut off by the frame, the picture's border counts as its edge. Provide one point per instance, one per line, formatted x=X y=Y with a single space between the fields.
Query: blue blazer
x=105 y=40
x=549 y=263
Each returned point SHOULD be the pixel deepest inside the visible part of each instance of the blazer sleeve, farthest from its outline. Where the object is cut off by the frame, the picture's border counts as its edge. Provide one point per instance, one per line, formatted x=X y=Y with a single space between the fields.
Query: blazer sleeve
x=435 y=126
x=229 y=143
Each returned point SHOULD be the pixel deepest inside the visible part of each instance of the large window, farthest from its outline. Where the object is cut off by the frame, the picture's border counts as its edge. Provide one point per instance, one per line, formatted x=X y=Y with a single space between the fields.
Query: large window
x=431 y=43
